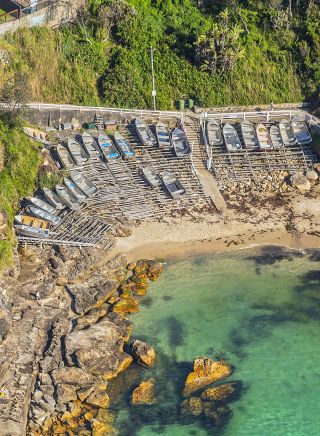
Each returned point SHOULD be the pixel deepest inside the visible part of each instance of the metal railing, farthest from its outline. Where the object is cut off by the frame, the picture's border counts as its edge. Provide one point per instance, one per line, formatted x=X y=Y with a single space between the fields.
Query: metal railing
x=9 y=16
x=39 y=241
x=267 y=115
x=19 y=13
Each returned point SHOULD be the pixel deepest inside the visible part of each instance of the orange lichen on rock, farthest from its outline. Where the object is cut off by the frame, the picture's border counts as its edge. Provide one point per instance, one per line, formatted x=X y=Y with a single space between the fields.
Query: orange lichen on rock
x=144 y=393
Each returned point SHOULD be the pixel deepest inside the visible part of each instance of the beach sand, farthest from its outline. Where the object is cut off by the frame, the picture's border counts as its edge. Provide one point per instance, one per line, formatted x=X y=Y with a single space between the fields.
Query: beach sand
x=295 y=224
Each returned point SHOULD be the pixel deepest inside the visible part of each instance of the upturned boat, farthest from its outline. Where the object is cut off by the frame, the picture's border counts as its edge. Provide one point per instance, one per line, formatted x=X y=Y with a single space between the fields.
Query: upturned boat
x=90 y=145
x=263 y=137
x=67 y=198
x=107 y=147
x=31 y=221
x=42 y=204
x=172 y=184
x=163 y=135
x=214 y=134
x=231 y=138
x=180 y=143
x=65 y=158
x=44 y=215
x=74 y=190
x=77 y=152
x=53 y=199
x=287 y=133
x=150 y=176
x=301 y=131
x=32 y=232
x=123 y=146
x=82 y=183
x=144 y=132
x=276 y=138
x=249 y=135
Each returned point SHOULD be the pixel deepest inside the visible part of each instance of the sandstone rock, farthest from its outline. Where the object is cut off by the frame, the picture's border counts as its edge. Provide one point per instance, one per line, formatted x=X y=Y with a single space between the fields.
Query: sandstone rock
x=72 y=375
x=316 y=167
x=100 y=399
x=218 y=416
x=192 y=406
x=101 y=429
x=300 y=182
x=75 y=408
x=99 y=349
x=131 y=266
x=143 y=394
x=3 y=224
x=66 y=393
x=92 y=316
x=205 y=372
x=225 y=392
x=83 y=393
x=4 y=324
x=143 y=353
x=312 y=175
x=126 y=305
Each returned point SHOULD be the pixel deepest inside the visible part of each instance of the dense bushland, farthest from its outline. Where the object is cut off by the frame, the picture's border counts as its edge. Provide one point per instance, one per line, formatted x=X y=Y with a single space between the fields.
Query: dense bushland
x=229 y=52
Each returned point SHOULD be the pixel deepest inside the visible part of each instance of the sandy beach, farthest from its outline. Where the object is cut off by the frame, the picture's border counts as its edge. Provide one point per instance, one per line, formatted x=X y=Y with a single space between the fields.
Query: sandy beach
x=294 y=225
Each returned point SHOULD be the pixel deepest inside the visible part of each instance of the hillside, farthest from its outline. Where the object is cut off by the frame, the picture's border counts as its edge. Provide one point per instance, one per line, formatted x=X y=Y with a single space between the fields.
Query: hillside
x=229 y=52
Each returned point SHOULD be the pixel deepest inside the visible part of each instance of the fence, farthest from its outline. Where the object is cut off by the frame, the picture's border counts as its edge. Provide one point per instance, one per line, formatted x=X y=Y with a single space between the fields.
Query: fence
x=9 y=16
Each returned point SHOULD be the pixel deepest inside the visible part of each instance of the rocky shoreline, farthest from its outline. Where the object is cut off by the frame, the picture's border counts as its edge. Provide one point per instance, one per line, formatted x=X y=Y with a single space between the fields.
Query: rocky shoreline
x=65 y=334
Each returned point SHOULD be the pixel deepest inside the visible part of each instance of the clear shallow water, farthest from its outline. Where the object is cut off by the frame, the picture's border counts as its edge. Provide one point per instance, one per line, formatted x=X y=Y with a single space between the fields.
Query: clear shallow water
x=259 y=310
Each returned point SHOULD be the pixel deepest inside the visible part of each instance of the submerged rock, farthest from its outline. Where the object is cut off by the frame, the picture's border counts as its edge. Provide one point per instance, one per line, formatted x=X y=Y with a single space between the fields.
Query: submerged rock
x=126 y=305
x=192 y=407
x=205 y=372
x=143 y=353
x=143 y=394
x=225 y=392
x=218 y=416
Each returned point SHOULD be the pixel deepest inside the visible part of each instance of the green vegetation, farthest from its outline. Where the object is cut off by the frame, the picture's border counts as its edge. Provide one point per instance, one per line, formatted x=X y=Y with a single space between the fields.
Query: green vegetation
x=232 y=52
x=17 y=179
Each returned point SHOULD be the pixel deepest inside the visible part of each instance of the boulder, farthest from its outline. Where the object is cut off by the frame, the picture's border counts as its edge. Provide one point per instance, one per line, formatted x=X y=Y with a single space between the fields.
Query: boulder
x=192 y=407
x=99 y=399
x=300 y=182
x=99 y=428
x=225 y=392
x=4 y=324
x=143 y=394
x=312 y=175
x=66 y=393
x=143 y=353
x=126 y=305
x=205 y=372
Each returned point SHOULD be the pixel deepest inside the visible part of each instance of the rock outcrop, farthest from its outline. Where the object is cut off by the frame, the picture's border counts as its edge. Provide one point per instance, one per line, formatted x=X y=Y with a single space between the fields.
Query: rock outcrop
x=144 y=394
x=143 y=353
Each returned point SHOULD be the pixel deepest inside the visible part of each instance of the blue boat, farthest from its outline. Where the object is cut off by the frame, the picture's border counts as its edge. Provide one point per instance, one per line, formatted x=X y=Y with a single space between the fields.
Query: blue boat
x=123 y=146
x=107 y=147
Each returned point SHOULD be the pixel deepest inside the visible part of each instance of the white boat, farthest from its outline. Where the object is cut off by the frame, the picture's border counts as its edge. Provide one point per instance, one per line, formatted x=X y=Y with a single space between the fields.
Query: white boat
x=276 y=138
x=90 y=145
x=249 y=134
x=65 y=157
x=151 y=176
x=144 y=132
x=67 y=198
x=83 y=184
x=77 y=152
x=263 y=137
x=287 y=133
x=180 y=143
x=214 y=134
x=107 y=147
x=163 y=135
x=123 y=146
x=74 y=190
x=172 y=184
x=231 y=138
x=42 y=204
x=44 y=215
x=53 y=199
x=301 y=131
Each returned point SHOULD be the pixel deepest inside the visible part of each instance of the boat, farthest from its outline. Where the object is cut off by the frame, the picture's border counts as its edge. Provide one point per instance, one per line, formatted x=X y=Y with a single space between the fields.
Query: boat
x=263 y=137
x=42 y=204
x=301 y=131
x=77 y=152
x=231 y=138
x=123 y=146
x=214 y=134
x=107 y=147
x=163 y=135
x=82 y=183
x=89 y=144
x=67 y=198
x=53 y=199
x=31 y=221
x=172 y=184
x=151 y=176
x=65 y=157
x=32 y=232
x=287 y=133
x=249 y=134
x=37 y=135
x=180 y=143
x=44 y=215
x=74 y=190
x=144 y=132
x=276 y=138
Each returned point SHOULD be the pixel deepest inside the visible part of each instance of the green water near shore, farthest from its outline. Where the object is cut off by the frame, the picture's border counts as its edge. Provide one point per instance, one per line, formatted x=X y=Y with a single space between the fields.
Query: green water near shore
x=259 y=310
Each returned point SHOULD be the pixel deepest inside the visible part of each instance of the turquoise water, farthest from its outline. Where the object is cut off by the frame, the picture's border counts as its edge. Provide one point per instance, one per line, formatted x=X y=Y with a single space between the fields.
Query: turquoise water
x=259 y=310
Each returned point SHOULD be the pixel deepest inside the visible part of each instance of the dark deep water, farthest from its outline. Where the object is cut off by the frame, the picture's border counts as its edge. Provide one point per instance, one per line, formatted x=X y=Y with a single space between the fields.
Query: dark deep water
x=260 y=310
